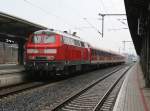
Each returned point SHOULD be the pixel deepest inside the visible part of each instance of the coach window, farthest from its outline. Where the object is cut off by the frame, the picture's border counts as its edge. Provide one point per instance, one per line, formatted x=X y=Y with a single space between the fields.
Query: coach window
x=93 y=52
x=97 y=52
x=100 y=53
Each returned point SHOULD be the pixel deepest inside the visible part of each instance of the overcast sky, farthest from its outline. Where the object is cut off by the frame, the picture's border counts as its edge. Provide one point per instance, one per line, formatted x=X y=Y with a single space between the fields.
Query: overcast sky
x=70 y=15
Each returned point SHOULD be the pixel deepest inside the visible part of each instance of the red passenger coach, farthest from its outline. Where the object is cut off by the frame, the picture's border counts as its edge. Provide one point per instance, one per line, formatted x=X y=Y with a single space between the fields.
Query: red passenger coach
x=55 y=51
x=100 y=57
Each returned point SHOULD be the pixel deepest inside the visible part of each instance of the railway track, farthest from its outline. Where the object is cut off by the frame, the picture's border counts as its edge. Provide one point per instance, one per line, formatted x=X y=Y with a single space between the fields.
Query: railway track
x=15 y=89
x=21 y=87
x=107 y=101
x=94 y=97
x=19 y=95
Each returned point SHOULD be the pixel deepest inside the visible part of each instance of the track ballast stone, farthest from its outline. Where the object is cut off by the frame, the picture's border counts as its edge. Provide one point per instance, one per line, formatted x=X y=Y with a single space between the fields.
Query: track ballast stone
x=50 y=95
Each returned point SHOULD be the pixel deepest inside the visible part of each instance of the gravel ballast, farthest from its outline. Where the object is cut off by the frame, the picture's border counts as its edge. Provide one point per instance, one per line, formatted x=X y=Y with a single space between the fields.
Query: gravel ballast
x=50 y=95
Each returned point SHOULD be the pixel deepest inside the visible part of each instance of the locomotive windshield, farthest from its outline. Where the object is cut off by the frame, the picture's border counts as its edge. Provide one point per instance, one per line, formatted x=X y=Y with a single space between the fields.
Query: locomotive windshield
x=43 y=38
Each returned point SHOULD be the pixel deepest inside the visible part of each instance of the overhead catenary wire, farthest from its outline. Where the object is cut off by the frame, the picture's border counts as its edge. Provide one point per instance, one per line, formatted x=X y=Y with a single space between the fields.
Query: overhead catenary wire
x=92 y=26
x=80 y=28
x=43 y=10
x=59 y=18
x=122 y=21
x=114 y=8
x=110 y=9
x=102 y=4
x=116 y=29
x=49 y=13
x=64 y=21
x=102 y=19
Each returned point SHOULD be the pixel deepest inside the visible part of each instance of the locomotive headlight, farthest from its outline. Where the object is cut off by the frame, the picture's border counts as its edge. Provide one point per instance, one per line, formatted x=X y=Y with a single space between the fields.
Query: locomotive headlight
x=50 y=51
x=31 y=51
x=51 y=57
x=31 y=57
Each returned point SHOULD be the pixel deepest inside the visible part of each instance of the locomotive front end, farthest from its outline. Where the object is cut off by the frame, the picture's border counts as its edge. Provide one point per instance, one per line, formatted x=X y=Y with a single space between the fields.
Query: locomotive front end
x=41 y=51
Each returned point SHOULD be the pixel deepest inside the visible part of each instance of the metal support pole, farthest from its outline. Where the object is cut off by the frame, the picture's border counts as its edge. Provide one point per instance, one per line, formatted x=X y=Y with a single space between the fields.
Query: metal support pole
x=103 y=15
x=124 y=44
x=147 y=61
x=103 y=25
x=20 y=52
x=4 y=53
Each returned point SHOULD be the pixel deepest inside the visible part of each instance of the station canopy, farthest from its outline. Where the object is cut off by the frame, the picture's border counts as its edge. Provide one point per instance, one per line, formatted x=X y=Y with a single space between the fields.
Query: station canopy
x=134 y=8
x=14 y=28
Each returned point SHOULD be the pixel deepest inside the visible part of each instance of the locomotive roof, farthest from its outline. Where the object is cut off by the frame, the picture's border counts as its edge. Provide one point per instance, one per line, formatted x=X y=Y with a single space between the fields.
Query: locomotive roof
x=60 y=33
x=75 y=37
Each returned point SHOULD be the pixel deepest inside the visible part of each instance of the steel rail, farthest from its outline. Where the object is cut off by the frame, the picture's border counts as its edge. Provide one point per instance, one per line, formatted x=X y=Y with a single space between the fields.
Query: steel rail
x=69 y=99
x=100 y=104
x=15 y=89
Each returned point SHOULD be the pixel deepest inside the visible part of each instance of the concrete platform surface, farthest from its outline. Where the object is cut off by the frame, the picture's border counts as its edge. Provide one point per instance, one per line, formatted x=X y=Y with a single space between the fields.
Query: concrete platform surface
x=8 y=79
x=133 y=95
x=10 y=68
x=9 y=74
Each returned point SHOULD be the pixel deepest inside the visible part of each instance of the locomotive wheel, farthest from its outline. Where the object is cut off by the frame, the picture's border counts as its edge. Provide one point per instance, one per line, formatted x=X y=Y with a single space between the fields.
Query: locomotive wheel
x=66 y=71
x=31 y=75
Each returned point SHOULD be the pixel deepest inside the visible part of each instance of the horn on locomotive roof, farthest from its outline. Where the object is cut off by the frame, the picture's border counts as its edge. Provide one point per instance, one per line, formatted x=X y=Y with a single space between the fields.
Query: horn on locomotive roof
x=51 y=29
x=74 y=33
x=65 y=31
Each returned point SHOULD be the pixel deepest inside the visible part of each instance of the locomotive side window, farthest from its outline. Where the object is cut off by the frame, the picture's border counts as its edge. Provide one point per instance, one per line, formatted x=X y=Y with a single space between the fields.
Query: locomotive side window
x=82 y=44
x=64 y=40
x=77 y=43
x=68 y=41
x=86 y=45
x=71 y=41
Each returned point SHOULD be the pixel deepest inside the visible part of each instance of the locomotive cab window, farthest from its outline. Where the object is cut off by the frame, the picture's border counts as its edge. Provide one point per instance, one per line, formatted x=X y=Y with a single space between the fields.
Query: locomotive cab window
x=36 y=39
x=43 y=38
x=49 y=39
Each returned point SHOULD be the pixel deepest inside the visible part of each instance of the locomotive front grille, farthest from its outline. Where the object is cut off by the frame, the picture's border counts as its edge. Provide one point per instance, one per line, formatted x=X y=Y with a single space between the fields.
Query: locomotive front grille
x=41 y=58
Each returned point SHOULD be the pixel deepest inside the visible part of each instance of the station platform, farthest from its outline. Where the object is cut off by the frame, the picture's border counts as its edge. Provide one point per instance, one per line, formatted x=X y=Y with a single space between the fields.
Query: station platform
x=9 y=74
x=10 y=68
x=133 y=95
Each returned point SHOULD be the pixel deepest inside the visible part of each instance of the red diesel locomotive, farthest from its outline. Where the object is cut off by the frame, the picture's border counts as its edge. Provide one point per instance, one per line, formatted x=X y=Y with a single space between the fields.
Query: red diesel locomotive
x=55 y=51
